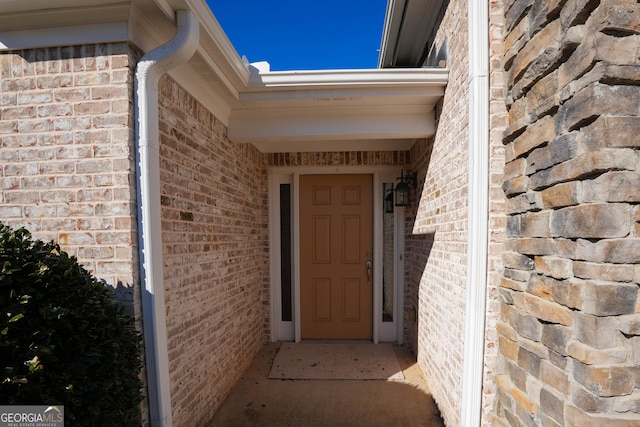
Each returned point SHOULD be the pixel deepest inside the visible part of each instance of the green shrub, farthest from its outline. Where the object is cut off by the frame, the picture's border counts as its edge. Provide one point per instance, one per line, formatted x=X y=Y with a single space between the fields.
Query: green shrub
x=63 y=338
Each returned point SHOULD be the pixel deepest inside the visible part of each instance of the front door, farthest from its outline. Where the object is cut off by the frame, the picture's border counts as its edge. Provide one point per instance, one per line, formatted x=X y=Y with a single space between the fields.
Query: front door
x=336 y=283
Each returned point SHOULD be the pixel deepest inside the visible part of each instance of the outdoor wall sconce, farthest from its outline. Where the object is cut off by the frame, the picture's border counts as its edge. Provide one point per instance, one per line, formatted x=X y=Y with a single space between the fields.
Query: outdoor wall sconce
x=402 y=190
x=388 y=198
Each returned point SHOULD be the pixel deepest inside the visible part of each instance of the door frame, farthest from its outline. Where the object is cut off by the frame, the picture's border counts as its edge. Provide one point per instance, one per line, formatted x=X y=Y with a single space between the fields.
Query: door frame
x=290 y=331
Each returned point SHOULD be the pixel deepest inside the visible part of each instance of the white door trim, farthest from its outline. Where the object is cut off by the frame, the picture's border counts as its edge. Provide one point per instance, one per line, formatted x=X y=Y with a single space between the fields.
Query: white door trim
x=291 y=175
x=278 y=328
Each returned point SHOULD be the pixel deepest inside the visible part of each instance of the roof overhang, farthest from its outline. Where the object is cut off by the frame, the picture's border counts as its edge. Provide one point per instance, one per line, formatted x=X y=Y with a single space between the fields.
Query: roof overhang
x=408 y=28
x=378 y=109
x=342 y=109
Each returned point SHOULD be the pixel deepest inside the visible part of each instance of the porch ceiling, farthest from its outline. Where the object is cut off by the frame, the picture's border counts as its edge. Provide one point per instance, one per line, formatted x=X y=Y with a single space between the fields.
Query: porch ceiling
x=337 y=109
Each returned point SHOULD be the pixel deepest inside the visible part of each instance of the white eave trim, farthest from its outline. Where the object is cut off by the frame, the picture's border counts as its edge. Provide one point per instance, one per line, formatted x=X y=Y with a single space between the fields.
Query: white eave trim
x=345 y=78
x=376 y=109
x=63 y=36
x=217 y=34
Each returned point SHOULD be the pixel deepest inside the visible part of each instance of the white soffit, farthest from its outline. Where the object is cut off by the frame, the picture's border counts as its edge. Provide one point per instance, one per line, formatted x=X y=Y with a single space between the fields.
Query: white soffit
x=35 y=14
x=44 y=23
x=338 y=109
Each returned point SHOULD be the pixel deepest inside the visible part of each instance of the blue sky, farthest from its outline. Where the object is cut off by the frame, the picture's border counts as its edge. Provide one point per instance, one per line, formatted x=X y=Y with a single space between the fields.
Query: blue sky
x=304 y=35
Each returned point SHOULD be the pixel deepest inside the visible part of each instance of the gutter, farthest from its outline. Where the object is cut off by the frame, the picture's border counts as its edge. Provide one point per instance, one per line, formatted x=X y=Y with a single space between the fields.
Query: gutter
x=148 y=72
x=478 y=217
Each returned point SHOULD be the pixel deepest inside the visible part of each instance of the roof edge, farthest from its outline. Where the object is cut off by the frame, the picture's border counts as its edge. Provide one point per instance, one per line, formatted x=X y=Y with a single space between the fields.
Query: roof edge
x=348 y=78
x=407 y=30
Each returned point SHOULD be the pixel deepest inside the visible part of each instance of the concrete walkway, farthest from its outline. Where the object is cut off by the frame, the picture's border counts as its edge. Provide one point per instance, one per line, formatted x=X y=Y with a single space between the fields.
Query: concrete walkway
x=259 y=401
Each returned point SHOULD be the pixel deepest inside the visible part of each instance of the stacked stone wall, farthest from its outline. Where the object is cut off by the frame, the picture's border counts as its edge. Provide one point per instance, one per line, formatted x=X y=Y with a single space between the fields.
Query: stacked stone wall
x=214 y=221
x=569 y=336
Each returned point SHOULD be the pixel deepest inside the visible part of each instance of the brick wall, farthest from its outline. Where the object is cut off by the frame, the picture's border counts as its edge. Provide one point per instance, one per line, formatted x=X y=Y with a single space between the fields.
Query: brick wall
x=437 y=229
x=417 y=246
x=437 y=245
x=338 y=158
x=569 y=335
x=214 y=220
x=68 y=174
x=67 y=158
x=67 y=169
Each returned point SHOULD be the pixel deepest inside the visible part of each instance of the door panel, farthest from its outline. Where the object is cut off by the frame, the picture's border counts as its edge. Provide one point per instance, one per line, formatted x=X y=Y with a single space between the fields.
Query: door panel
x=336 y=293
x=351 y=250
x=321 y=300
x=351 y=292
x=320 y=239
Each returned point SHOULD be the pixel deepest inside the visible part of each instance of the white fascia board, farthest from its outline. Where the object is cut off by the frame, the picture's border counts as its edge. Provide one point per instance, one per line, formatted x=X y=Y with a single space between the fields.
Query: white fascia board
x=345 y=88
x=13 y=6
x=236 y=69
x=292 y=127
x=34 y=14
x=63 y=36
x=293 y=80
x=390 y=31
x=406 y=30
x=46 y=23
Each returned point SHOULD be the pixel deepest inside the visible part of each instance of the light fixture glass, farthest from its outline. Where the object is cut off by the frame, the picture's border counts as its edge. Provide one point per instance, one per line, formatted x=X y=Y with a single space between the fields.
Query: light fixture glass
x=402 y=191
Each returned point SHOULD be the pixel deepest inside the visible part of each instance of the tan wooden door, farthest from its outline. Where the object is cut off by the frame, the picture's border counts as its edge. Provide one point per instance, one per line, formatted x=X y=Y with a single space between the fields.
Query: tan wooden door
x=336 y=283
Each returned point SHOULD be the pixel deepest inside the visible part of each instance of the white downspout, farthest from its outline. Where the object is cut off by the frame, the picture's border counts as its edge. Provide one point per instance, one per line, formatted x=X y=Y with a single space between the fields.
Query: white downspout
x=148 y=72
x=478 y=216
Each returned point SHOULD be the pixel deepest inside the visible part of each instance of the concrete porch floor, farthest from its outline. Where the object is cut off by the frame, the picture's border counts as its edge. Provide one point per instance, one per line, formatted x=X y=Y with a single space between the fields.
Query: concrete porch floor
x=257 y=400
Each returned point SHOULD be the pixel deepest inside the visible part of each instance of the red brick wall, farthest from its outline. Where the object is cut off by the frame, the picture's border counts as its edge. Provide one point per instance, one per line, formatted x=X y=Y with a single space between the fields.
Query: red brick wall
x=214 y=220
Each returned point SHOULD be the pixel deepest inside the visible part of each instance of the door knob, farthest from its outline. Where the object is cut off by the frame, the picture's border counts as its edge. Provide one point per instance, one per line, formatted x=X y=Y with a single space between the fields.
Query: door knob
x=369 y=265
